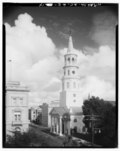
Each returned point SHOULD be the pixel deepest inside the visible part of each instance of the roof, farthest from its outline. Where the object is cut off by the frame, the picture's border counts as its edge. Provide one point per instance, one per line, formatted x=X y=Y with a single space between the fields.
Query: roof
x=16 y=86
x=55 y=103
x=59 y=110
x=111 y=102
x=76 y=111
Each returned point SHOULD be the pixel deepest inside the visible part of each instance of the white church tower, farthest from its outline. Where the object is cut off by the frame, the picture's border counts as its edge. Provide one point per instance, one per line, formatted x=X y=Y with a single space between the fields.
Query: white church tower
x=71 y=99
x=71 y=95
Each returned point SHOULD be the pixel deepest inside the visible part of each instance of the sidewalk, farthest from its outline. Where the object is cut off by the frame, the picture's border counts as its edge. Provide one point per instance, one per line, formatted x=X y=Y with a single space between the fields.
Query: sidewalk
x=51 y=140
x=84 y=142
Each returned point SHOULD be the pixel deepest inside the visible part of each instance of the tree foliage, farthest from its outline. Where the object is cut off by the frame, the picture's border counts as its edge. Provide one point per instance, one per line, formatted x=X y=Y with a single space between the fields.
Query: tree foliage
x=25 y=139
x=105 y=115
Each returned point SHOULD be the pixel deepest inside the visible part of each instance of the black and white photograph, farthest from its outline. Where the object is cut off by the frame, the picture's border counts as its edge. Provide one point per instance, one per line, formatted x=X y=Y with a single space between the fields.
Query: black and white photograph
x=60 y=78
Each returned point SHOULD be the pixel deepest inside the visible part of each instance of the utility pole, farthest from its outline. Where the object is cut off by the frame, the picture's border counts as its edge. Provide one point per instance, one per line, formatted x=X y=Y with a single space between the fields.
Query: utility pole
x=92 y=124
x=10 y=71
x=92 y=119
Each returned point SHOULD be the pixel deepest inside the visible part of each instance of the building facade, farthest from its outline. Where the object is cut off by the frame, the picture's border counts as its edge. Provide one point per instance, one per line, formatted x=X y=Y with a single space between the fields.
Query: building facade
x=46 y=109
x=34 y=114
x=16 y=107
x=76 y=120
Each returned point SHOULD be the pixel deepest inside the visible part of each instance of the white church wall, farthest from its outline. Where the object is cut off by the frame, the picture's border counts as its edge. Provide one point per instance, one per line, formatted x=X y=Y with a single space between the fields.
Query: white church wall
x=77 y=121
x=63 y=98
x=73 y=99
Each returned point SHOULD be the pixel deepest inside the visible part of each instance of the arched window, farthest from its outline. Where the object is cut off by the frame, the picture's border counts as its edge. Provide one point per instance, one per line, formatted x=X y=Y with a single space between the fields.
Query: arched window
x=17 y=129
x=75 y=120
x=17 y=116
x=74 y=84
x=69 y=59
x=74 y=95
x=73 y=59
x=63 y=85
x=68 y=84
x=74 y=101
x=68 y=72
x=73 y=72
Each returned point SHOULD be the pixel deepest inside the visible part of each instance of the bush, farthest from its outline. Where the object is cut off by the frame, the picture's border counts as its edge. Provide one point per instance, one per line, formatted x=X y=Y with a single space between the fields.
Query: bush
x=25 y=139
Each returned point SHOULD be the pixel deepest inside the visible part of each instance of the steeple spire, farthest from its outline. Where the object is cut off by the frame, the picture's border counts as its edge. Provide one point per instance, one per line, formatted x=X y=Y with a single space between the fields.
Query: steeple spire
x=70 y=42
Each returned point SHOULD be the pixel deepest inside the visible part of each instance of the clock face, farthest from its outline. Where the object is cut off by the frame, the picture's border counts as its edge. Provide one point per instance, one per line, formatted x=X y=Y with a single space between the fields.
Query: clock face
x=74 y=95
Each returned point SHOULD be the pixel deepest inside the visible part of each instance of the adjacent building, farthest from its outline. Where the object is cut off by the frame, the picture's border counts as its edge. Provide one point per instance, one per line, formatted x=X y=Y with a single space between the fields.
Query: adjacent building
x=16 y=107
x=46 y=109
x=35 y=114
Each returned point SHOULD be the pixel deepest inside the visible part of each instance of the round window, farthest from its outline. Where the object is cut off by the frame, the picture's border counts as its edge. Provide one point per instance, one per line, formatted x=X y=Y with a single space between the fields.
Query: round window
x=73 y=72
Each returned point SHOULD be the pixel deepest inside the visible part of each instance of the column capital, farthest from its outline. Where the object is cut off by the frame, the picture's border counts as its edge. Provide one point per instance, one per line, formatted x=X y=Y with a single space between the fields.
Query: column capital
x=60 y=116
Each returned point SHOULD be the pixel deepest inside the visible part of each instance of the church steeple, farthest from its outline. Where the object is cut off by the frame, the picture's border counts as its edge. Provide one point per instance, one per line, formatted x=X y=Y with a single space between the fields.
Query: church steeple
x=70 y=43
x=70 y=95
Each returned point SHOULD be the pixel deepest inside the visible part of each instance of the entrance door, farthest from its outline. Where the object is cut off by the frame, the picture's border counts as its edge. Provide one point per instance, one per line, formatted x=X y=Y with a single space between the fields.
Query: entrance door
x=75 y=129
x=62 y=127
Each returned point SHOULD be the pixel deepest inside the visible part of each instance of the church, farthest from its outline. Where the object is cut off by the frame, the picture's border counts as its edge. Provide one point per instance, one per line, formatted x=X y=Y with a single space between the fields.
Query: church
x=68 y=116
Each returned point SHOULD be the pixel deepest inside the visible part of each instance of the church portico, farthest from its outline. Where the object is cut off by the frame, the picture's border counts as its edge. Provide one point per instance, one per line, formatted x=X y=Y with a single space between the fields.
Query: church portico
x=60 y=121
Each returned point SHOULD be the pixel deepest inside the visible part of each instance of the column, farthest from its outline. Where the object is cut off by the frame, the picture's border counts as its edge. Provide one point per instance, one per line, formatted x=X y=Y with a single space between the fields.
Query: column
x=68 y=127
x=61 y=126
x=57 y=126
x=51 y=124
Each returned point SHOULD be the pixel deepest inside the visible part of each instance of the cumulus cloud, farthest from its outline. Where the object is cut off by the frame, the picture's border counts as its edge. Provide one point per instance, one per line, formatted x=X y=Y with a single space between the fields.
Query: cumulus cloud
x=32 y=53
x=29 y=38
x=98 y=72
x=97 y=87
x=38 y=63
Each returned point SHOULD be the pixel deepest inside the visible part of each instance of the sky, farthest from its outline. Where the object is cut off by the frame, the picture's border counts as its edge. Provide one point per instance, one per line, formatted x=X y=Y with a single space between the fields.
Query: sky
x=37 y=39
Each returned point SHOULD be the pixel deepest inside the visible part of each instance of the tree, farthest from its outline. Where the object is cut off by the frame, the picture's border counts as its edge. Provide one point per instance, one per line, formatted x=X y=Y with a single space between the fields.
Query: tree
x=109 y=126
x=105 y=119
x=93 y=106
x=25 y=139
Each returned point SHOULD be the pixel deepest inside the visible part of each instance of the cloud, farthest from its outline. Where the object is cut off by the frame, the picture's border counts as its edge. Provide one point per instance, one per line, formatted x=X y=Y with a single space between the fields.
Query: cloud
x=63 y=35
x=43 y=71
x=54 y=85
x=32 y=53
x=103 y=30
x=39 y=64
x=98 y=87
x=29 y=38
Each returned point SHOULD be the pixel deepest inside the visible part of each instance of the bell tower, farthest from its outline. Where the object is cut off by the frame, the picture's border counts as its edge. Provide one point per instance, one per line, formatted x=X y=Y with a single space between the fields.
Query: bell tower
x=70 y=95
